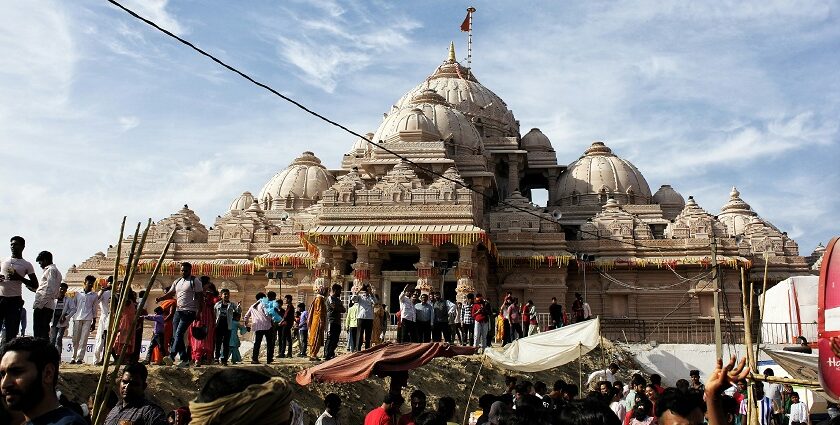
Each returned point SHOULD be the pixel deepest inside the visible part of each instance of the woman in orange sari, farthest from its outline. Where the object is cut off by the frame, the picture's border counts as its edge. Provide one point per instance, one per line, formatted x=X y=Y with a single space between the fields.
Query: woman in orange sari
x=124 y=339
x=168 y=307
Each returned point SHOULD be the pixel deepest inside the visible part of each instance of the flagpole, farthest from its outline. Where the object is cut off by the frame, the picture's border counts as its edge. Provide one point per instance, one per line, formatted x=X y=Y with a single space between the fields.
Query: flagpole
x=470 y=11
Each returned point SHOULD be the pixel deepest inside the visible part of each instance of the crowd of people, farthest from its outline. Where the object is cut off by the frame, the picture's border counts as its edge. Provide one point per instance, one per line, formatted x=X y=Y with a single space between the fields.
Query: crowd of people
x=198 y=324
x=29 y=376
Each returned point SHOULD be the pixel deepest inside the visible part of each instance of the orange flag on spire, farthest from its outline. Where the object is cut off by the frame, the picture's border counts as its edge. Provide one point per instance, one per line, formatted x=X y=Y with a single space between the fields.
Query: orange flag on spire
x=465 y=26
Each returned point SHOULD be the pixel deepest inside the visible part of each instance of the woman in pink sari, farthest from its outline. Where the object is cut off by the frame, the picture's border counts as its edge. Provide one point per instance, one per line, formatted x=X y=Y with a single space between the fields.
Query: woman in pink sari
x=202 y=348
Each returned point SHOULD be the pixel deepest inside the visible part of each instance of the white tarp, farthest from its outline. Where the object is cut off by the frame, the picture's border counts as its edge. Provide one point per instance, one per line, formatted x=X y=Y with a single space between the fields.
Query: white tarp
x=791 y=310
x=550 y=349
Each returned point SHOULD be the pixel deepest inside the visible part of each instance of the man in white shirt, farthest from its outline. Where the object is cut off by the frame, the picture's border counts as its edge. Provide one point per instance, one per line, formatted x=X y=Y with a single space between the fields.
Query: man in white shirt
x=607 y=374
x=408 y=316
x=45 y=295
x=104 y=309
x=189 y=296
x=773 y=391
x=332 y=402
x=85 y=312
x=14 y=271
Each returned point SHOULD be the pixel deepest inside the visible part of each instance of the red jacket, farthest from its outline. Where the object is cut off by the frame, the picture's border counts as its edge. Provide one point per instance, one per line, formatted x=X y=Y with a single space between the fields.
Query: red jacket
x=479 y=313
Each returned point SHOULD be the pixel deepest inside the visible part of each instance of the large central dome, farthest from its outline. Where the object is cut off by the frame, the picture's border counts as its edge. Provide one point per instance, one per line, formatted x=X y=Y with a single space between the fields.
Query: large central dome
x=459 y=87
x=599 y=175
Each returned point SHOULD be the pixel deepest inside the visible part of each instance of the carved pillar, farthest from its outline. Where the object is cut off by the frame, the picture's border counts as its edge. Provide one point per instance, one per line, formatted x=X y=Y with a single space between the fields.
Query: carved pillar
x=338 y=266
x=552 y=186
x=425 y=271
x=361 y=268
x=375 y=269
x=466 y=273
x=513 y=174
x=478 y=203
x=322 y=268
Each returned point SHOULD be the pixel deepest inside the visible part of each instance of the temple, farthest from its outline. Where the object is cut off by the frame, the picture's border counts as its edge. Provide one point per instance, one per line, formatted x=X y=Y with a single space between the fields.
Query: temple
x=458 y=217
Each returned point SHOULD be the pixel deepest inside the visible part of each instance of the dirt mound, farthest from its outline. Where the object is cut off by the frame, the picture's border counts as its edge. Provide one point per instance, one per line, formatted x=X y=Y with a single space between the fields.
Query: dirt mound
x=172 y=387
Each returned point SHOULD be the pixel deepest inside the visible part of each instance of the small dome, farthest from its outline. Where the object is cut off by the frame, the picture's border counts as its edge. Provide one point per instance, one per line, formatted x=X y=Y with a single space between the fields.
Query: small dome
x=669 y=200
x=536 y=141
x=361 y=145
x=666 y=195
x=599 y=175
x=242 y=202
x=407 y=120
x=452 y=125
x=304 y=179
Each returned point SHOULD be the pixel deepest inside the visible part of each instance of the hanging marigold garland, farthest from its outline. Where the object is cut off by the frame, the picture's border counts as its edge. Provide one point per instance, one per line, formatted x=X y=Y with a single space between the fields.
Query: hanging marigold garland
x=199 y=268
x=534 y=261
x=663 y=263
x=309 y=240
x=274 y=261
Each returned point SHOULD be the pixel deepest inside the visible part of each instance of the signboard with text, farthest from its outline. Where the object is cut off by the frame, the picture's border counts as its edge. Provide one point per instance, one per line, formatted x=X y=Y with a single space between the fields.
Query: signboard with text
x=829 y=318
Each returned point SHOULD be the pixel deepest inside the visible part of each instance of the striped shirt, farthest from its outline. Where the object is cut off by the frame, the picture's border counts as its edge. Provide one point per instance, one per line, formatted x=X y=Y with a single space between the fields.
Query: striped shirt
x=468 y=319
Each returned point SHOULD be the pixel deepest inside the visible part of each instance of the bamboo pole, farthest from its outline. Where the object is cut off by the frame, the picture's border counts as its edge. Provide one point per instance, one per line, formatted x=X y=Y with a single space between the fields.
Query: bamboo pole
x=99 y=416
x=780 y=380
x=580 y=367
x=752 y=414
x=469 y=397
x=763 y=296
x=98 y=396
x=113 y=321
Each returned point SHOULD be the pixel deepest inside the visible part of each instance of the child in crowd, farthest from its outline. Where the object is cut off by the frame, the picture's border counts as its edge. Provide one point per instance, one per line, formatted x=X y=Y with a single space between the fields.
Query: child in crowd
x=303 y=330
x=798 y=410
x=157 y=332
x=235 y=331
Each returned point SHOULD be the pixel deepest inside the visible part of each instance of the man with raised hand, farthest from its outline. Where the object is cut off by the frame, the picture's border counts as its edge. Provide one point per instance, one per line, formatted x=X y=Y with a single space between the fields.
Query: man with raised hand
x=14 y=271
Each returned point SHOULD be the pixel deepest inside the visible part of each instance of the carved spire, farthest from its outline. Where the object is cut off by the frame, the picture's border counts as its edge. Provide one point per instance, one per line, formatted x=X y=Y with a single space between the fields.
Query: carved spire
x=451 y=52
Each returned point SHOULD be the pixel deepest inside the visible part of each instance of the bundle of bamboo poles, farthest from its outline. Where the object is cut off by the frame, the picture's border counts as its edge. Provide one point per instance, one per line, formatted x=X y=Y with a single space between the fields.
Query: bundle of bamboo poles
x=119 y=294
x=752 y=354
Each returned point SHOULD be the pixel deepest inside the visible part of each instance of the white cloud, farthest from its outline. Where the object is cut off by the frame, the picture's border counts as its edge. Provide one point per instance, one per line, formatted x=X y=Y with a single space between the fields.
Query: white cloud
x=330 y=43
x=156 y=11
x=127 y=123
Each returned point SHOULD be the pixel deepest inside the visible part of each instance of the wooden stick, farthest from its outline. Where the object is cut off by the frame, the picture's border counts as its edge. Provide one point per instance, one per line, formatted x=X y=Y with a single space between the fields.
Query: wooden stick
x=752 y=416
x=469 y=397
x=793 y=381
x=98 y=396
x=113 y=322
x=133 y=326
x=763 y=296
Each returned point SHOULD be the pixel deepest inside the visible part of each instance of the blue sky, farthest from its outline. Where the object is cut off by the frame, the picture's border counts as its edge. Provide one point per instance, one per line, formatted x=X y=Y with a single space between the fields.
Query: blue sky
x=102 y=117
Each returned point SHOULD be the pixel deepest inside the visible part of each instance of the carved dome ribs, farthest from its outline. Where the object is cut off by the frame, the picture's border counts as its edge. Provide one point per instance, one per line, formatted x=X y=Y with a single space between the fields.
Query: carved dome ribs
x=599 y=175
x=298 y=186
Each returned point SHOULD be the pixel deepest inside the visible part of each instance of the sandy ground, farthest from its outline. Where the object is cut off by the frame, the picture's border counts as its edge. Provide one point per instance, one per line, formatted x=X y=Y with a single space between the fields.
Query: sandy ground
x=171 y=387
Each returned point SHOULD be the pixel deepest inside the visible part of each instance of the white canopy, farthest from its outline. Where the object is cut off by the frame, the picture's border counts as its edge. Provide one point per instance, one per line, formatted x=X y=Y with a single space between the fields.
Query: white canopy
x=550 y=349
x=791 y=310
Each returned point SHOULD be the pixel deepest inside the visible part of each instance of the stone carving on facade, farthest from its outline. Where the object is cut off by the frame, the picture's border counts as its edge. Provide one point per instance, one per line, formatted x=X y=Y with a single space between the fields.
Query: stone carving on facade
x=308 y=222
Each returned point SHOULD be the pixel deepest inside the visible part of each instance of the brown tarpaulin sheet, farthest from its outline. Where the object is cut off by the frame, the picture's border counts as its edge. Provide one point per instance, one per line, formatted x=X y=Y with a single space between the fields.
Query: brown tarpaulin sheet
x=382 y=360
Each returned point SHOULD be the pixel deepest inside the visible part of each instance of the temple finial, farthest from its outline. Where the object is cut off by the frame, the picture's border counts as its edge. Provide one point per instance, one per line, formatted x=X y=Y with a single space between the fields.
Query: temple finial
x=452 y=52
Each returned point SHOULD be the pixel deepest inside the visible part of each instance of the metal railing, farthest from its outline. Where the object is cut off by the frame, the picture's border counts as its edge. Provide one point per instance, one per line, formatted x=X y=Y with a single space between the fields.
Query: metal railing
x=701 y=331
